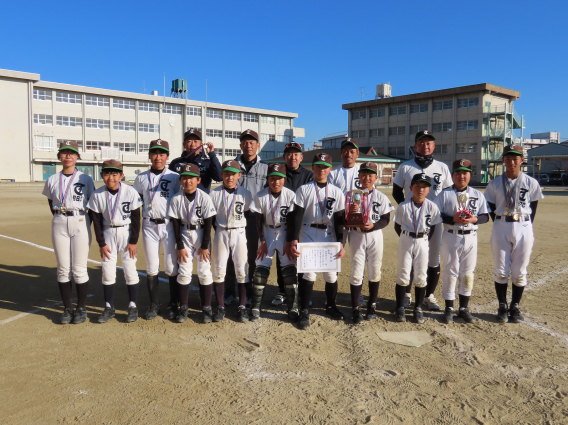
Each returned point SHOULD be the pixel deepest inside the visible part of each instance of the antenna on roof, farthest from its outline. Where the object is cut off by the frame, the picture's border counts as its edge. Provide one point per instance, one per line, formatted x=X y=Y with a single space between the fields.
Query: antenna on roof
x=361 y=92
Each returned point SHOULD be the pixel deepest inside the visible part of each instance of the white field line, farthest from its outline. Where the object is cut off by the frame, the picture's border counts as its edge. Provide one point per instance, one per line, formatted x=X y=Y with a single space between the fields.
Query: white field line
x=35 y=310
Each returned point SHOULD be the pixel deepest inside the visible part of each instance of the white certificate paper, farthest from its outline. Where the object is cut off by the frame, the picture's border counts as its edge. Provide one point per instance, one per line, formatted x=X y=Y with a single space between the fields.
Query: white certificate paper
x=319 y=257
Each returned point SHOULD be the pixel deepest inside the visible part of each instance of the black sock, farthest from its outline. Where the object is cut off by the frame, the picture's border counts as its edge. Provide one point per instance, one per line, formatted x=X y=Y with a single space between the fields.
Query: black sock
x=242 y=294
x=173 y=290
x=152 y=284
x=355 y=292
x=419 y=293
x=400 y=292
x=373 y=292
x=432 y=279
x=108 y=291
x=305 y=288
x=207 y=295
x=330 y=293
x=501 y=290
x=248 y=289
x=449 y=303
x=219 y=292
x=65 y=289
x=82 y=292
x=132 y=293
x=517 y=294
x=183 y=294
x=464 y=301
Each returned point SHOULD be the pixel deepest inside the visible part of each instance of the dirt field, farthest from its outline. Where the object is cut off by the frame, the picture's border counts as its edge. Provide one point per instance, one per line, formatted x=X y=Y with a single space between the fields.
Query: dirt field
x=270 y=372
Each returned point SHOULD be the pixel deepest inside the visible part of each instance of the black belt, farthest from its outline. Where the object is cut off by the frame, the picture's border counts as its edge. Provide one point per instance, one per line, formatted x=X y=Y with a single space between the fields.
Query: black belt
x=461 y=232
x=319 y=226
x=193 y=227
x=115 y=226
x=510 y=219
x=358 y=229
x=71 y=213
x=415 y=235
x=157 y=220
x=273 y=227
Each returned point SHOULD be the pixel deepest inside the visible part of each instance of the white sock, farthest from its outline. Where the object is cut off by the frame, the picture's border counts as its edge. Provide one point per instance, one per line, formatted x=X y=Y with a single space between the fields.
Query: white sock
x=131 y=304
x=107 y=305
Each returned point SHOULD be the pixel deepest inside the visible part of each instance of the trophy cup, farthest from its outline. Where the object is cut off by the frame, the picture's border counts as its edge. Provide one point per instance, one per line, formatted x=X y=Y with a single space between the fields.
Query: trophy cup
x=356 y=208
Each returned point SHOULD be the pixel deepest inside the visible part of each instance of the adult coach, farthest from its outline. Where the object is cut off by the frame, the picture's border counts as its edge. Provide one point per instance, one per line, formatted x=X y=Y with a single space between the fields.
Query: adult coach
x=513 y=198
x=424 y=162
x=209 y=166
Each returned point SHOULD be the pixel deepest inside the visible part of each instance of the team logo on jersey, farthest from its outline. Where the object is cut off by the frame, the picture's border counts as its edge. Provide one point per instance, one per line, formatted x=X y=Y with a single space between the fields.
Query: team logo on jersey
x=283 y=214
x=472 y=205
x=329 y=206
x=239 y=210
x=164 y=185
x=375 y=209
x=78 y=188
x=357 y=183
x=437 y=177
x=523 y=197
x=198 y=212
x=126 y=207
x=427 y=222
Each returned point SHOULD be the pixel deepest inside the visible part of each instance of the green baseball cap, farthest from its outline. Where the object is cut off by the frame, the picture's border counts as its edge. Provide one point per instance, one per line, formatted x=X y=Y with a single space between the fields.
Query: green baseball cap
x=513 y=150
x=461 y=165
x=322 y=159
x=231 y=165
x=276 y=170
x=190 y=170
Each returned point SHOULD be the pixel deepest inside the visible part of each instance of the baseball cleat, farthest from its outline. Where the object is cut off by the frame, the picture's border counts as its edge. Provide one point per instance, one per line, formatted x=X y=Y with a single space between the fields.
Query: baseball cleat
x=132 y=315
x=401 y=314
x=242 y=314
x=172 y=311
x=334 y=312
x=515 y=314
x=66 y=317
x=357 y=317
x=254 y=314
x=502 y=313
x=80 y=315
x=371 y=312
x=207 y=314
x=108 y=314
x=362 y=301
x=304 y=320
x=407 y=300
x=182 y=314
x=419 y=315
x=466 y=315
x=279 y=299
x=448 y=315
x=293 y=315
x=152 y=312
x=219 y=314
x=431 y=303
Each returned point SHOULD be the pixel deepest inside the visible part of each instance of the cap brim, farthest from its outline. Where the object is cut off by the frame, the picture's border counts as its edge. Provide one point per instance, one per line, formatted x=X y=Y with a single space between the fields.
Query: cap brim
x=293 y=147
x=159 y=147
x=249 y=136
x=322 y=163
x=111 y=169
x=234 y=170
x=71 y=148
x=425 y=135
x=421 y=180
x=367 y=169
x=350 y=143
x=461 y=169
x=189 y=174
x=191 y=134
x=276 y=174
x=513 y=153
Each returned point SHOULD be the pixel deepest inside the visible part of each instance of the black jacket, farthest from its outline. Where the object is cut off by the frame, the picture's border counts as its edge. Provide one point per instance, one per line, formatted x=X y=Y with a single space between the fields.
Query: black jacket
x=209 y=168
x=297 y=178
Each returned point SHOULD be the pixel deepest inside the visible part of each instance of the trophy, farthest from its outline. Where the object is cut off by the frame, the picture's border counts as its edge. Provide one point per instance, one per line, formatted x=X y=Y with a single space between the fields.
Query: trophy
x=356 y=208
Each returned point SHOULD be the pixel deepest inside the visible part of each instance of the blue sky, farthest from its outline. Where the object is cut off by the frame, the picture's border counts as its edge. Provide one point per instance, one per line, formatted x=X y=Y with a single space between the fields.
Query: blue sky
x=308 y=57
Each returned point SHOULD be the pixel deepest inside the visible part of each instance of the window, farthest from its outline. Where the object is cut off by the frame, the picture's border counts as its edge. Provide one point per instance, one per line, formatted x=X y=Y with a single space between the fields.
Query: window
x=195 y=128
x=396 y=150
x=229 y=134
x=96 y=123
x=441 y=127
x=233 y=116
x=359 y=115
x=214 y=133
x=283 y=138
x=418 y=127
x=466 y=148
x=148 y=128
x=79 y=143
x=468 y=102
x=474 y=169
x=358 y=134
x=467 y=125
x=396 y=131
x=377 y=132
x=44 y=143
x=214 y=113
x=267 y=137
x=69 y=121
x=124 y=126
x=143 y=147
x=43 y=119
x=232 y=153
x=68 y=97
x=194 y=111
x=397 y=110
x=122 y=104
x=42 y=94
x=442 y=149
x=442 y=105
x=250 y=117
x=96 y=146
x=287 y=122
x=171 y=109
x=96 y=101
x=376 y=113
x=148 y=106
x=267 y=154
x=267 y=120
x=126 y=147
x=421 y=107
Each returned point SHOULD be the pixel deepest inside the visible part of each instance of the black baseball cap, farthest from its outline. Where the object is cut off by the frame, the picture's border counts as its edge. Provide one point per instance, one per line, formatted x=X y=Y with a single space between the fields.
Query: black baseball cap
x=422 y=134
x=293 y=145
x=249 y=134
x=192 y=132
x=421 y=177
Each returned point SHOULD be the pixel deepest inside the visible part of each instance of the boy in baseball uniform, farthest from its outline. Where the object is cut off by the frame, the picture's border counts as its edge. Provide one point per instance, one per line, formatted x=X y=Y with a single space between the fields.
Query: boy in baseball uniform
x=463 y=209
x=319 y=217
x=116 y=220
x=230 y=201
x=366 y=243
x=272 y=205
x=513 y=198
x=157 y=187
x=191 y=212
x=415 y=221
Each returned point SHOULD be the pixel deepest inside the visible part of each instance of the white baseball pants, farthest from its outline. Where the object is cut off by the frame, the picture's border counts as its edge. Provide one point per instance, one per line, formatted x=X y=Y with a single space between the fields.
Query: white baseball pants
x=365 y=248
x=313 y=234
x=275 y=242
x=512 y=245
x=117 y=240
x=434 y=246
x=192 y=243
x=152 y=235
x=412 y=255
x=459 y=256
x=71 y=239
x=230 y=242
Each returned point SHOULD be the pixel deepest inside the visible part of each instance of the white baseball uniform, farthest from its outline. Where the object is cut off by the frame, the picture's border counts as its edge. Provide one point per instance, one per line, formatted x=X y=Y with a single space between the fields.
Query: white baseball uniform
x=157 y=192
x=274 y=210
x=319 y=203
x=512 y=242
x=117 y=230
x=230 y=237
x=441 y=178
x=413 y=251
x=70 y=235
x=459 y=242
x=345 y=178
x=192 y=214
x=367 y=246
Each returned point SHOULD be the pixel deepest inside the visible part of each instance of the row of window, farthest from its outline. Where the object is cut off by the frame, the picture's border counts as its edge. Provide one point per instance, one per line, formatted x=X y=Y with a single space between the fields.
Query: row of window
x=400 y=131
x=441 y=105
x=95 y=123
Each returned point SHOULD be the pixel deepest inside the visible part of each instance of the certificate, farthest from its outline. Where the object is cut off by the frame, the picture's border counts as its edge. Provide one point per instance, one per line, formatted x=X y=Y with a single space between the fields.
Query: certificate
x=319 y=257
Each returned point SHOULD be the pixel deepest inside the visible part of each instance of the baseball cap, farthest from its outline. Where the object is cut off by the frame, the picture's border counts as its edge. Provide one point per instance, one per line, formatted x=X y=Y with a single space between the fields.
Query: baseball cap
x=350 y=141
x=369 y=166
x=276 y=170
x=461 y=164
x=159 y=144
x=70 y=145
x=293 y=145
x=190 y=170
x=112 y=164
x=421 y=177
x=249 y=133
x=322 y=159
x=231 y=165
x=192 y=132
x=422 y=134
x=513 y=150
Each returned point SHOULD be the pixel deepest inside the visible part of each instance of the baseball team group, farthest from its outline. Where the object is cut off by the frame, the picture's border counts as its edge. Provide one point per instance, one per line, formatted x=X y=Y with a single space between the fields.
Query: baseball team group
x=260 y=213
